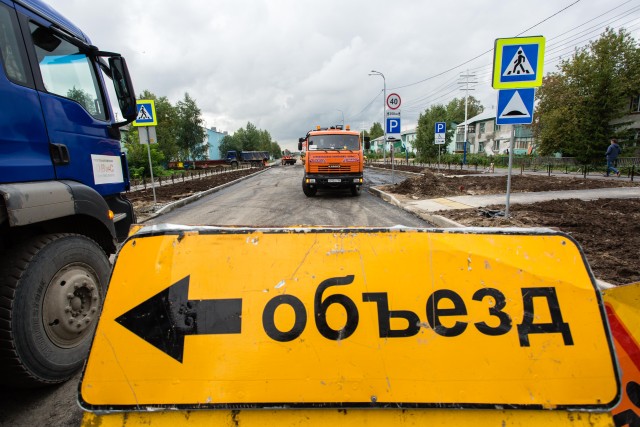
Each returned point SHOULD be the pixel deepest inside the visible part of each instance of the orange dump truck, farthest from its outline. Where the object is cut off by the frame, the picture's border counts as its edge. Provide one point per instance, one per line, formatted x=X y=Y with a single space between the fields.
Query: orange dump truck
x=333 y=159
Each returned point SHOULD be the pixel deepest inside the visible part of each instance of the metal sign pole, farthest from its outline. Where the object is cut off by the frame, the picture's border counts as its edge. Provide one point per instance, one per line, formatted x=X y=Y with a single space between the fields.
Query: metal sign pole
x=153 y=187
x=511 y=144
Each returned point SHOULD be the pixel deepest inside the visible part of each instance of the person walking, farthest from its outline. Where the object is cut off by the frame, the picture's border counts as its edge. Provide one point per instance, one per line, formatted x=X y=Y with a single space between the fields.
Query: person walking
x=613 y=151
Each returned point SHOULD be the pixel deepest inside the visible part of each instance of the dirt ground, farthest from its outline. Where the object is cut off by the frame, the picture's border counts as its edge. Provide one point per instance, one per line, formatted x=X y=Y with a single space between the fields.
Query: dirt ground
x=608 y=230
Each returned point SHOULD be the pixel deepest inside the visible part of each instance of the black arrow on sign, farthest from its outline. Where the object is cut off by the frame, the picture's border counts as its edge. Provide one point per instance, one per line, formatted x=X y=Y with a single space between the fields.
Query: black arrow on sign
x=167 y=317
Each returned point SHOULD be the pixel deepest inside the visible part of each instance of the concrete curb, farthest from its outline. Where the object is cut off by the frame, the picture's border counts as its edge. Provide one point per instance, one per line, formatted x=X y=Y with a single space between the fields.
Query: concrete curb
x=437 y=220
x=182 y=202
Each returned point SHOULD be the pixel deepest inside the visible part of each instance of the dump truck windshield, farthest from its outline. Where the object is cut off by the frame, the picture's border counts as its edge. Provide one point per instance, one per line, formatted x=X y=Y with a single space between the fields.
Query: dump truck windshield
x=334 y=142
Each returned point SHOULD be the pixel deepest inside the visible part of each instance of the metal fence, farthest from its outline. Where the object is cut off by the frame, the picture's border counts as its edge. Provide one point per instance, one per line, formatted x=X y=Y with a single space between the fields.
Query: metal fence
x=182 y=176
x=628 y=166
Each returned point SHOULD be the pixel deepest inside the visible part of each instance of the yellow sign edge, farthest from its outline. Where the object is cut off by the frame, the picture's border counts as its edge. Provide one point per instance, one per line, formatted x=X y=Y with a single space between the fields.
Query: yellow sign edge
x=497 y=62
x=153 y=109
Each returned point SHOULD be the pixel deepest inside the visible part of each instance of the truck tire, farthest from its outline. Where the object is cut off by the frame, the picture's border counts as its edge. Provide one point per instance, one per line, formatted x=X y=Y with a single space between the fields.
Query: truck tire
x=52 y=288
x=309 y=191
x=355 y=190
x=234 y=165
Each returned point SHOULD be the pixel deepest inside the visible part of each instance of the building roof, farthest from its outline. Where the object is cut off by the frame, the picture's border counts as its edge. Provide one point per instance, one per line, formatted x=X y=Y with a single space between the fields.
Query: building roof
x=484 y=116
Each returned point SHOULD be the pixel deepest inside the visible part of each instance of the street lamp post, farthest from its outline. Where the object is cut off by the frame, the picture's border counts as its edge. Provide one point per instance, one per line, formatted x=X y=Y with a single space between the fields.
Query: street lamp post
x=384 y=108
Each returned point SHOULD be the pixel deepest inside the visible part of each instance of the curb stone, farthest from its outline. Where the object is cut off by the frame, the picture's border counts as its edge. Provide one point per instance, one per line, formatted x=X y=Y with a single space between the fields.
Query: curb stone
x=437 y=220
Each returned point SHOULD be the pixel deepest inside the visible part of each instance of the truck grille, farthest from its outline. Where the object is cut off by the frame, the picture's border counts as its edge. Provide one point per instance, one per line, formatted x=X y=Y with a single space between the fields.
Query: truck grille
x=341 y=169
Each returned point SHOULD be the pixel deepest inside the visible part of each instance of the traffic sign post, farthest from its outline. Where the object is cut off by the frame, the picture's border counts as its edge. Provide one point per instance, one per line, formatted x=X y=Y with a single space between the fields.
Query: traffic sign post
x=517 y=65
x=311 y=326
x=393 y=130
x=147 y=118
x=440 y=137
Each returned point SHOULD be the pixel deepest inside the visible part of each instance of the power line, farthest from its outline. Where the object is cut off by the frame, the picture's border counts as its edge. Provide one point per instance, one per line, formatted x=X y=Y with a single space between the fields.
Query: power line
x=560 y=46
x=484 y=53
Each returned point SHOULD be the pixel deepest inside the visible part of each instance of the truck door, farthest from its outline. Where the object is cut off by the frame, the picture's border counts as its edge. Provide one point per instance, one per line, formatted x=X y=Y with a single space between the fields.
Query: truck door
x=75 y=111
x=24 y=147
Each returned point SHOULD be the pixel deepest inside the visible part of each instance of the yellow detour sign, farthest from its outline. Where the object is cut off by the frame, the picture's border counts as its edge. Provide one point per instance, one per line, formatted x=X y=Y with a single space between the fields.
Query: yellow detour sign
x=262 y=318
x=623 y=310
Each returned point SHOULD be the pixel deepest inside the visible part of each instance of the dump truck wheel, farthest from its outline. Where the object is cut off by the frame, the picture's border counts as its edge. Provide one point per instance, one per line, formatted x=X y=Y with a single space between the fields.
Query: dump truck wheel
x=52 y=290
x=355 y=190
x=309 y=191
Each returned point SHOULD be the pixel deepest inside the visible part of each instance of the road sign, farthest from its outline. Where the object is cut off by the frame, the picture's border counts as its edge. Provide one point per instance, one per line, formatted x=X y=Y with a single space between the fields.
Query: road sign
x=515 y=106
x=146 y=113
x=393 y=124
x=148 y=135
x=441 y=132
x=393 y=101
x=518 y=62
x=214 y=317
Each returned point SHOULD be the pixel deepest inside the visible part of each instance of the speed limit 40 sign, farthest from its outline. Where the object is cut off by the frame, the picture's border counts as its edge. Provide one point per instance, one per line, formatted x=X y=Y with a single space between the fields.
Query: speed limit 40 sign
x=393 y=101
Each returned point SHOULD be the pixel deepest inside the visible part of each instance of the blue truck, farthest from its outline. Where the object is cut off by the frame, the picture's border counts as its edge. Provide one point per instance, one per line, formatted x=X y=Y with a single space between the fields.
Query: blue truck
x=253 y=158
x=62 y=179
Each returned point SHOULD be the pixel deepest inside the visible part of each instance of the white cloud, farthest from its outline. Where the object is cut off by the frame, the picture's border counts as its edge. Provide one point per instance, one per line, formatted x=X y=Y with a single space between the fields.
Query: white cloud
x=288 y=65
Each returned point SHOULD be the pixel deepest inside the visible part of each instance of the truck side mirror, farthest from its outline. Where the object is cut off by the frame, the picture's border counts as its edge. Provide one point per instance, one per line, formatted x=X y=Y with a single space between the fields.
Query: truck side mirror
x=300 y=146
x=124 y=87
x=367 y=144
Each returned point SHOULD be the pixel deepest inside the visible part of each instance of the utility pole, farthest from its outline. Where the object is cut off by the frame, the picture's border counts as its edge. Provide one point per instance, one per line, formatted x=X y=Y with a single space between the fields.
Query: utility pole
x=384 y=110
x=466 y=107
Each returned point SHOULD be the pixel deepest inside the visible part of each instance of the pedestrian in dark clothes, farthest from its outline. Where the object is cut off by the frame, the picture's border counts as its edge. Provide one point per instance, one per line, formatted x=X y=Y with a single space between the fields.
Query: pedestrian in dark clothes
x=612 y=156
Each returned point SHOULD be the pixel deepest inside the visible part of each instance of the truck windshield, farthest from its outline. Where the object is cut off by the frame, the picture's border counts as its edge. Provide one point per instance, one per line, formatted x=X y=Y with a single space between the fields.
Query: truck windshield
x=67 y=72
x=334 y=142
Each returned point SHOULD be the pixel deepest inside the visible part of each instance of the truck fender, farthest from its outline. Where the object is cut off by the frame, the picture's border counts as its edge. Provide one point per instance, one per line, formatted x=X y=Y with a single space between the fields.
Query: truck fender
x=32 y=202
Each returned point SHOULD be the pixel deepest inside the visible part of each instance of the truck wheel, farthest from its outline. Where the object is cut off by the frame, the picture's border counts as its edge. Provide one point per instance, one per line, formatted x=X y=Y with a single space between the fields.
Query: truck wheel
x=52 y=291
x=309 y=191
x=234 y=165
x=355 y=190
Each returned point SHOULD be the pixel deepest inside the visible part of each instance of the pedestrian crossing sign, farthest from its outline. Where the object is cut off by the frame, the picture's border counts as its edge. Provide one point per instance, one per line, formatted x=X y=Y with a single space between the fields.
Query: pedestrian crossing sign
x=146 y=113
x=518 y=62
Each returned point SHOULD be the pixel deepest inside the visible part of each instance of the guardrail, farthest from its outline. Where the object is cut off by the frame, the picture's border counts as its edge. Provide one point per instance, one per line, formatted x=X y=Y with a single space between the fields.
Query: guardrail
x=628 y=166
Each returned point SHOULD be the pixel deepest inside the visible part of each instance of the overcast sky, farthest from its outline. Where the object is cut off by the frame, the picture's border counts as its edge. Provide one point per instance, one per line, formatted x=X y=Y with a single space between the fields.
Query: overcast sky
x=289 y=65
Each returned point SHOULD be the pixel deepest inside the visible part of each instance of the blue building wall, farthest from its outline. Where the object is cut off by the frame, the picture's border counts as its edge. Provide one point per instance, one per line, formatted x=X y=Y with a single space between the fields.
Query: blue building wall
x=214 y=138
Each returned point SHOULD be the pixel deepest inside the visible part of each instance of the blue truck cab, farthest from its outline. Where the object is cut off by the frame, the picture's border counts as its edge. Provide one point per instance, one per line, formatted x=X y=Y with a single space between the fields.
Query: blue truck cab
x=62 y=178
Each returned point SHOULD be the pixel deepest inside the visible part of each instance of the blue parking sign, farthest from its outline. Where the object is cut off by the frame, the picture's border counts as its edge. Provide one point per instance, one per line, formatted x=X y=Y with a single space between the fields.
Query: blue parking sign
x=393 y=125
x=441 y=127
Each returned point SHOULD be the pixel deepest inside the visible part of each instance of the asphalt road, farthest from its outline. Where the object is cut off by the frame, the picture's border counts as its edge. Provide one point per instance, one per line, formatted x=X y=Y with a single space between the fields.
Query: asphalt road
x=275 y=198
x=272 y=198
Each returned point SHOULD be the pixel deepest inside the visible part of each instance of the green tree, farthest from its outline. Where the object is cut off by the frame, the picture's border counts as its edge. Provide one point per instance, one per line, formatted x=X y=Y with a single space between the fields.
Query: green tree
x=166 y=129
x=275 y=151
x=138 y=158
x=425 y=133
x=455 y=110
x=452 y=114
x=376 y=131
x=250 y=139
x=583 y=104
x=190 y=131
